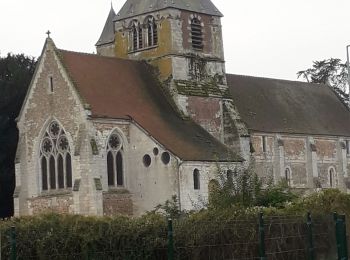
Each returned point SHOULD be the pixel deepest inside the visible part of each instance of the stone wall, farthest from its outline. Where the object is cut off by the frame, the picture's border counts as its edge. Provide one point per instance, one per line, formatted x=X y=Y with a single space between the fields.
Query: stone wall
x=308 y=158
x=191 y=198
x=44 y=103
x=117 y=203
x=62 y=204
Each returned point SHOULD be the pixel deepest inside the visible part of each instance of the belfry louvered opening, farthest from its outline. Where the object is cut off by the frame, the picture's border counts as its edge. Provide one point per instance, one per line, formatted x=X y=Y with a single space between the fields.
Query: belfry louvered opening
x=196 y=34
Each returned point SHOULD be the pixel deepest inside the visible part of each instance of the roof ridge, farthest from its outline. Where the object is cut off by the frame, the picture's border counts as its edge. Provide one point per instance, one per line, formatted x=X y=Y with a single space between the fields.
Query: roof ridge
x=100 y=56
x=275 y=79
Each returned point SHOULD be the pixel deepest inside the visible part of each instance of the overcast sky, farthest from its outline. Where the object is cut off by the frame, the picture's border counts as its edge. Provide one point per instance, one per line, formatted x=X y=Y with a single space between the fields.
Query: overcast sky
x=269 y=38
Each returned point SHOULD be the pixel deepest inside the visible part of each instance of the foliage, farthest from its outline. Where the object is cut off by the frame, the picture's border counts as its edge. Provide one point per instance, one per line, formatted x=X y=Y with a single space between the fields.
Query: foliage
x=15 y=75
x=325 y=201
x=247 y=190
x=330 y=71
x=276 y=196
x=170 y=209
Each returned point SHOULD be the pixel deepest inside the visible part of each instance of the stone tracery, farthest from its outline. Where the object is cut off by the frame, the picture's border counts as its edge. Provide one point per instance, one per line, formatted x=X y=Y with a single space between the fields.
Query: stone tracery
x=55 y=159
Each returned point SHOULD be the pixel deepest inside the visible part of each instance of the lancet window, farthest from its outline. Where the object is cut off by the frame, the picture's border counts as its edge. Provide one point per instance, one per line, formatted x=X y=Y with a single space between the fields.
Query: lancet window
x=55 y=159
x=196 y=34
x=136 y=36
x=152 y=32
x=115 y=170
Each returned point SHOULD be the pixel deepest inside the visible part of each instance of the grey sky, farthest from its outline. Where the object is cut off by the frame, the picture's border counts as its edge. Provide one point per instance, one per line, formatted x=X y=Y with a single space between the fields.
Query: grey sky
x=270 y=38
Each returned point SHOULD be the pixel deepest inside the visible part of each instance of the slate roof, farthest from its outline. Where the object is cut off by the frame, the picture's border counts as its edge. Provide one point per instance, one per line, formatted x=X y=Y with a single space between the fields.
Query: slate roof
x=136 y=7
x=124 y=89
x=281 y=106
x=107 y=35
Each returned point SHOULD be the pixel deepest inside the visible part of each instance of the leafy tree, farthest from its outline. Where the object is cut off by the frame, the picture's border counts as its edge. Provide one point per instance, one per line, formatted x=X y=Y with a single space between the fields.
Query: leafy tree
x=246 y=189
x=331 y=71
x=16 y=72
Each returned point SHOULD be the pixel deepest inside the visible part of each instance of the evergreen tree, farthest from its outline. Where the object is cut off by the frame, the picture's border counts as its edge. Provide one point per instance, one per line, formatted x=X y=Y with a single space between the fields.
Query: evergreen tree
x=16 y=72
x=332 y=72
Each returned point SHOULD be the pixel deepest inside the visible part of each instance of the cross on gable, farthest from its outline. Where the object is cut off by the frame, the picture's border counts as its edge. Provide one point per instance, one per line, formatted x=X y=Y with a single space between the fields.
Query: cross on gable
x=48 y=33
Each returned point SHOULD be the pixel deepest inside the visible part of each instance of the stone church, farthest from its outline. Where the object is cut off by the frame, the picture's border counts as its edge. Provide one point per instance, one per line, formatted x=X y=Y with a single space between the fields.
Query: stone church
x=154 y=114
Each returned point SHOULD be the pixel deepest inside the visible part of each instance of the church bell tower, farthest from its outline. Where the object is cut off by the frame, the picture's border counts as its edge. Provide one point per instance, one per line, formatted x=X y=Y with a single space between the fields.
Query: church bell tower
x=183 y=40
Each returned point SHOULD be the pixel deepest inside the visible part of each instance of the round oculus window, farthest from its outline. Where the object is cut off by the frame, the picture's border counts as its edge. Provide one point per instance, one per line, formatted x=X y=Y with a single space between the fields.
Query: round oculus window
x=165 y=158
x=155 y=151
x=63 y=144
x=54 y=129
x=114 y=142
x=46 y=146
x=147 y=160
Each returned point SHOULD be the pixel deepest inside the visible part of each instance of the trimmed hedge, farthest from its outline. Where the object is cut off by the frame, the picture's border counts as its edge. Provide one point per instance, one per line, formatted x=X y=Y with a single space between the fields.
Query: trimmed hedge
x=219 y=234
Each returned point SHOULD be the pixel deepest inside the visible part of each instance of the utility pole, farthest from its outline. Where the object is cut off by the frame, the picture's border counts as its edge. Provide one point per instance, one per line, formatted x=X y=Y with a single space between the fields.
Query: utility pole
x=347 y=55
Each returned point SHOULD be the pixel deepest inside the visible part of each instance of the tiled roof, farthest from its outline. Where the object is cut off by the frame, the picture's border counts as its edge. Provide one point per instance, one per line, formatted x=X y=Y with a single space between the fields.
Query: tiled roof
x=124 y=89
x=281 y=106
x=136 y=7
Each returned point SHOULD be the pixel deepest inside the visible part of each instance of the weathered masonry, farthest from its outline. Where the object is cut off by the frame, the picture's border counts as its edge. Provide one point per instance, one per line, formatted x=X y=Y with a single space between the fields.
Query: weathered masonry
x=299 y=131
x=155 y=115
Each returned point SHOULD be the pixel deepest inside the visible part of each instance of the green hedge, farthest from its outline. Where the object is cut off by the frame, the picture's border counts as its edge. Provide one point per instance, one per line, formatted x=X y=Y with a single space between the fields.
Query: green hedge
x=219 y=234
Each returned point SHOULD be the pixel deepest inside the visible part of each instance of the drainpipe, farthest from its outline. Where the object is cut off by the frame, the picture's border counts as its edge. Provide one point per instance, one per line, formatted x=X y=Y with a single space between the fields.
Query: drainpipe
x=180 y=162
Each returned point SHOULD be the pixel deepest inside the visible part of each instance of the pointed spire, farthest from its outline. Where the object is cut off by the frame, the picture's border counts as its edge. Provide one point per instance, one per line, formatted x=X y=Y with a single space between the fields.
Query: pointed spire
x=107 y=35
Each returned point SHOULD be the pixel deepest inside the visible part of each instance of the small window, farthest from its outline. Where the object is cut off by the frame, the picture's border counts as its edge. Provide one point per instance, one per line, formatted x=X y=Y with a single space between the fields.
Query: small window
x=155 y=151
x=264 y=144
x=147 y=160
x=288 y=176
x=347 y=147
x=196 y=180
x=51 y=84
x=196 y=34
x=332 y=177
x=165 y=158
x=229 y=174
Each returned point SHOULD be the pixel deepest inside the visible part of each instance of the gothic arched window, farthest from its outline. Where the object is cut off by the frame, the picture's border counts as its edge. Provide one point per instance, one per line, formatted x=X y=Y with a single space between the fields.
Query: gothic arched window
x=152 y=32
x=133 y=37
x=288 y=176
x=196 y=180
x=332 y=178
x=55 y=159
x=136 y=36
x=115 y=171
x=196 y=34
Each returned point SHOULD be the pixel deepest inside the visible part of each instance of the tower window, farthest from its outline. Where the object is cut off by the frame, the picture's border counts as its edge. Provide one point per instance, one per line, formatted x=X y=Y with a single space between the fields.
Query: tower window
x=140 y=38
x=134 y=37
x=152 y=32
x=196 y=34
x=347 y=143
x=115 y=171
